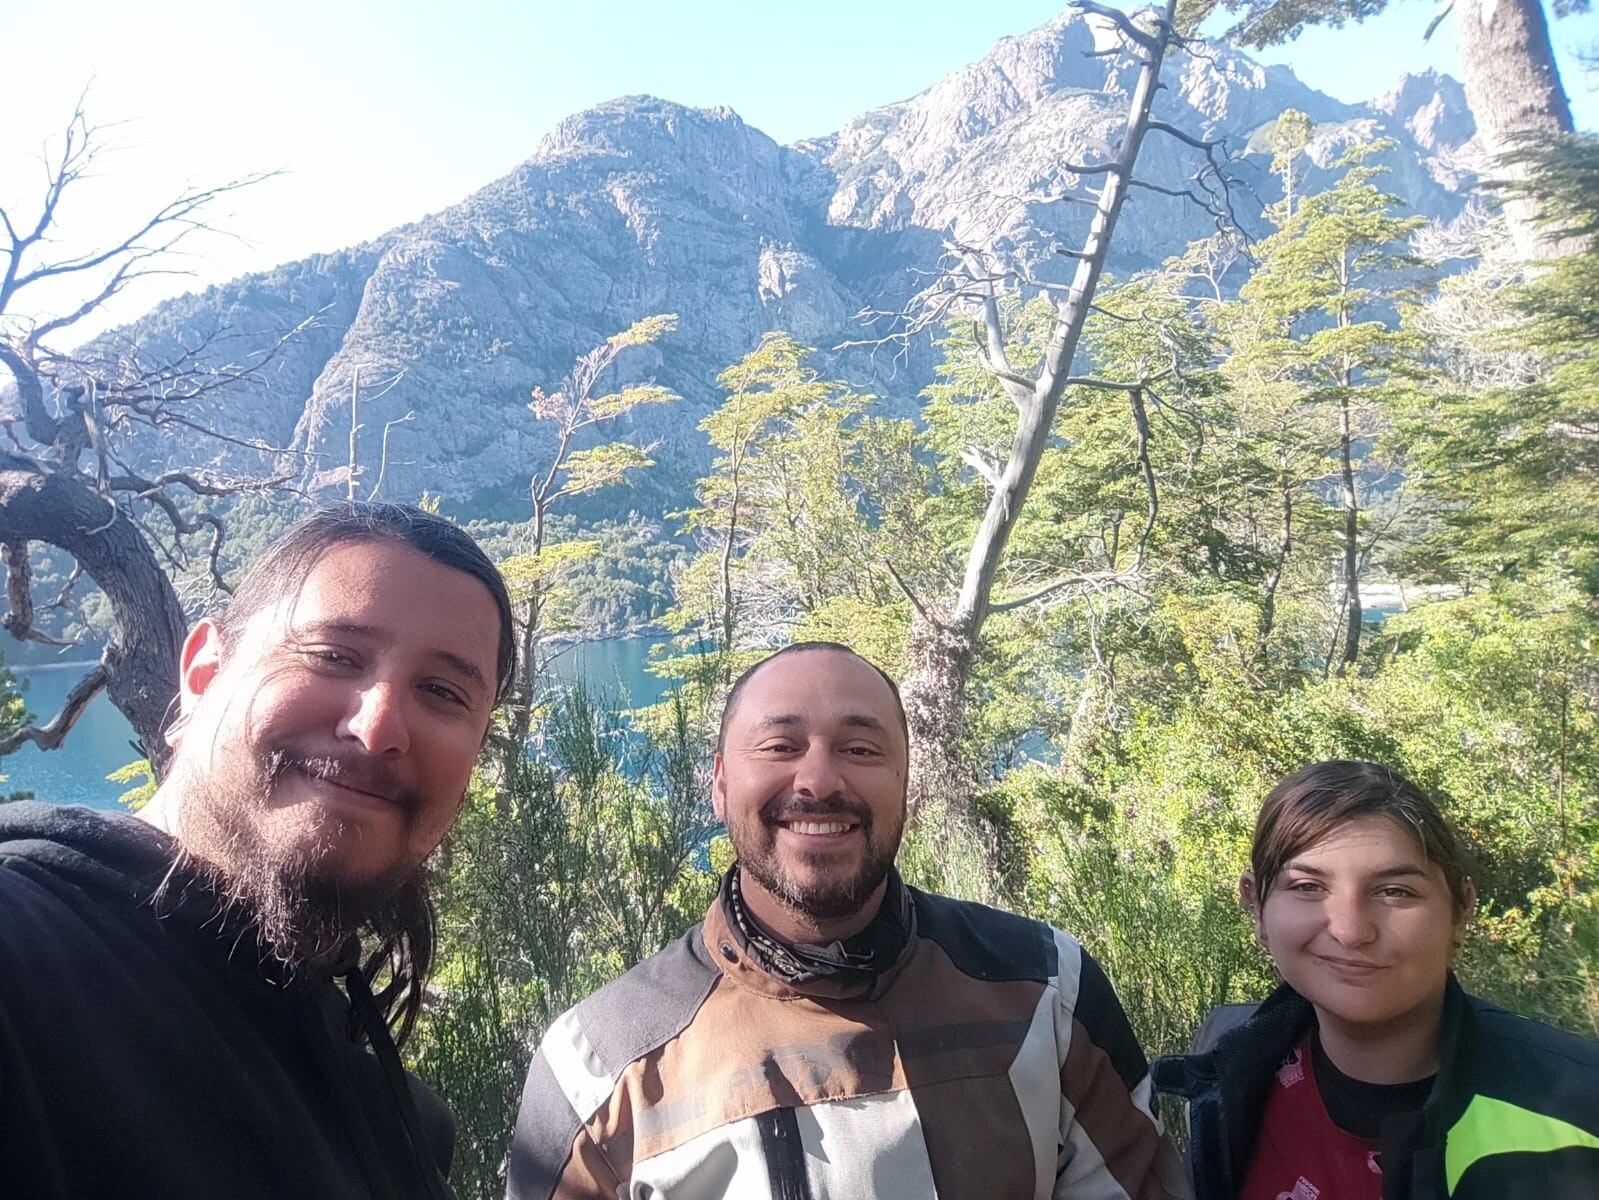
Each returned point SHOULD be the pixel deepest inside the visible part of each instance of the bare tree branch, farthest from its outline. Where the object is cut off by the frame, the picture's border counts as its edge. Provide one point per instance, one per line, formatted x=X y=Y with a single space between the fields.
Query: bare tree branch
x=1197 y=143
x=19 y=593
x=910 y=595
x=1091 y=581
x=383 y=458
x=1116 y=17
x=50 y=735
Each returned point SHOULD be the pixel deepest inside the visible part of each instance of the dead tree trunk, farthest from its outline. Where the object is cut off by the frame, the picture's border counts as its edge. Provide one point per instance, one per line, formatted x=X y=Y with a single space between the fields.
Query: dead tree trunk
x=940 y=656
x=75 y=407
x=1514 y=90
x=139 y=668
x=942 y=644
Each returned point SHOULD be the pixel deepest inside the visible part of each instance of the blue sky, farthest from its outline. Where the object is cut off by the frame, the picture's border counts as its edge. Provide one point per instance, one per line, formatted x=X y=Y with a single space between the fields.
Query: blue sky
x=380 y=111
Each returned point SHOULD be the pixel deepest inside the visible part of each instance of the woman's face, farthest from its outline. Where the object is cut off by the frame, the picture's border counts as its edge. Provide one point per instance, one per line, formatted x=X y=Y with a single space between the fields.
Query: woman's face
x=1361 y=924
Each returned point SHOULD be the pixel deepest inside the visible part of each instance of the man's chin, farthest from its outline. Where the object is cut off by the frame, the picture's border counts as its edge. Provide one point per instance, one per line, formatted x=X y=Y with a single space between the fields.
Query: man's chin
x=327 y=841
x=824 y=896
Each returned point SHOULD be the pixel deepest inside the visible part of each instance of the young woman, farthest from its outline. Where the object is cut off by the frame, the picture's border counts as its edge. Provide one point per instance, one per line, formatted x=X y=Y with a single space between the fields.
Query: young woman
x=1369 y=1074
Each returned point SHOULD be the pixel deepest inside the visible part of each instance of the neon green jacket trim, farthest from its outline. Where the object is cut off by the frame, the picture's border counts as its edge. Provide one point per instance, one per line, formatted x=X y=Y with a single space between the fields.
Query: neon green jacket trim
x=1490 y=1126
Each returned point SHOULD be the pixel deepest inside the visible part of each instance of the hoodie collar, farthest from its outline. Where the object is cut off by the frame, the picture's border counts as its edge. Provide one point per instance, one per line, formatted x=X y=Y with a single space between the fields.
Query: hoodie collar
x=99 y=851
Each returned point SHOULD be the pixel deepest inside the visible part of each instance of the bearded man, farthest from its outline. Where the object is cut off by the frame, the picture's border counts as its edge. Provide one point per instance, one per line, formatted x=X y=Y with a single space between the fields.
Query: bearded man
x=829 y=1031
x=185 y=1005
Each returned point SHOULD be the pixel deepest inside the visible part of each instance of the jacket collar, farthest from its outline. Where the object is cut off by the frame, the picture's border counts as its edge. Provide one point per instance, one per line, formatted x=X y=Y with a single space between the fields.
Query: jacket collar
x=1228 y=1084
x=756 y=960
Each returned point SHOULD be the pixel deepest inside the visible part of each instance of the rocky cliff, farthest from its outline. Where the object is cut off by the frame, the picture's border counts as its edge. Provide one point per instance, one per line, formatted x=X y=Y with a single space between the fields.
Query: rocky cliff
x=641 y=206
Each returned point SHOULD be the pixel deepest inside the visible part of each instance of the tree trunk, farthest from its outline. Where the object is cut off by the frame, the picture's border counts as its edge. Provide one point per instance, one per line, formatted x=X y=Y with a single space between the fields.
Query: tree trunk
x=725 y=574
x=1285 y=545
x=140 y=662
x=1351 y=506
x=1513 y=88
x=525 y=679
x=935 y=711
x=941 y=648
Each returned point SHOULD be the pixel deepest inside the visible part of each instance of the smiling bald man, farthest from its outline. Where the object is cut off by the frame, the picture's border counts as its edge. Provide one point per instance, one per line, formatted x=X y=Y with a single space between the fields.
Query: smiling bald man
x=829 y=1031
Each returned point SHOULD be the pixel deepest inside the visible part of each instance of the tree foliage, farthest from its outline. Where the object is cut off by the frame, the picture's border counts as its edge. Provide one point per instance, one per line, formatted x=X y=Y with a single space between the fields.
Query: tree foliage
x=1162 y=630
x=583 y=859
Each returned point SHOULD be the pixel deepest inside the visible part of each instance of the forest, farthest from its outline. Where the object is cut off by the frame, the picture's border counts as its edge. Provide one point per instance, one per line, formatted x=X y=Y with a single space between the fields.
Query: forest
x=1151 y=543
x=1185 y=614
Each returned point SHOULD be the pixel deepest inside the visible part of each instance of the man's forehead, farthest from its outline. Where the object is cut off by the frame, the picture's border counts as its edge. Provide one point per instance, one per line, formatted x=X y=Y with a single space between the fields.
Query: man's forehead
x=814 y=683
x=385 y=590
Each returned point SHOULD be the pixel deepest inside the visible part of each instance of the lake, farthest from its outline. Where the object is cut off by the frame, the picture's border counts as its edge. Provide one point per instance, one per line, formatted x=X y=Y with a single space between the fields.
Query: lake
x=102 y=740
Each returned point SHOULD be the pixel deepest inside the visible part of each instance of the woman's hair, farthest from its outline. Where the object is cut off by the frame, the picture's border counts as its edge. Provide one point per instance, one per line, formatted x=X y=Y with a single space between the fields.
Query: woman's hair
x=1315 y=802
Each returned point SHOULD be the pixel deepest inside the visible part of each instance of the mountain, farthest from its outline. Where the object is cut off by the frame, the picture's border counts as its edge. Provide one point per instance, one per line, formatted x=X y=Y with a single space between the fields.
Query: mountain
x=641 y=206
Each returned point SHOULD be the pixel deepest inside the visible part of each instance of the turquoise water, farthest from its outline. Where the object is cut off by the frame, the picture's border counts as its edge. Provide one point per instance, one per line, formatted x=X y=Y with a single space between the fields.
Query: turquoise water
x=102 y=740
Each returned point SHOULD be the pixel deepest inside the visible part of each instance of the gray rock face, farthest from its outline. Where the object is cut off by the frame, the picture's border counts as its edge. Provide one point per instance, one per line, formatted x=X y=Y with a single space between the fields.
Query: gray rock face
x=641 y=206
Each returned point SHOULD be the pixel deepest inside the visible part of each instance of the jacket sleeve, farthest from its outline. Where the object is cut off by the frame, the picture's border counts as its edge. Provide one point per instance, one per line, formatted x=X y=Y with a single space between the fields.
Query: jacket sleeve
x=552 y=1155
x=1112 y=1144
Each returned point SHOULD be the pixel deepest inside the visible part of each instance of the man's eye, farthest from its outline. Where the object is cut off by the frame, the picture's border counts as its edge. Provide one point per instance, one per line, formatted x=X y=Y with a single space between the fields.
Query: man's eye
x=331 y=658
x=1396 y=893
x=1305 y=887
x=862 y=751
x=444 y=692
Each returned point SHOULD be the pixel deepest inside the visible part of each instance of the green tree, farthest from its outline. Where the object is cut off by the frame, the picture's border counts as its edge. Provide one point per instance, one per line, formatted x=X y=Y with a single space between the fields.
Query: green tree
x=571 y=412
x=793 y=520
x=1289 y=136
x=1317 y=315
x=1511 y=473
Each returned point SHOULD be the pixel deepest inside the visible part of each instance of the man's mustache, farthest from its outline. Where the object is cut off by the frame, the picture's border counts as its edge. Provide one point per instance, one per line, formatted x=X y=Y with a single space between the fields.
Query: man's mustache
x=348 y=770
x=797 y=808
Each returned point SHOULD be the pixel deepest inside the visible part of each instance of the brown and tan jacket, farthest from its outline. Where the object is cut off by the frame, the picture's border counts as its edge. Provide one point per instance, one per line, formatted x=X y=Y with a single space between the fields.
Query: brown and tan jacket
x=992 y=1060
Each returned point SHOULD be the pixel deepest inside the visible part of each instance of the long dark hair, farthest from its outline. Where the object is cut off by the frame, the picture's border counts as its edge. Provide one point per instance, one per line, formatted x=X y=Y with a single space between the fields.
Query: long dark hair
x=404 y=949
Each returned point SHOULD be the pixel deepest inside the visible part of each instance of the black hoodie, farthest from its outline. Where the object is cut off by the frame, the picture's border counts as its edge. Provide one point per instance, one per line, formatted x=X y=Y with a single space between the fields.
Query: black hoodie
x=147 y=1054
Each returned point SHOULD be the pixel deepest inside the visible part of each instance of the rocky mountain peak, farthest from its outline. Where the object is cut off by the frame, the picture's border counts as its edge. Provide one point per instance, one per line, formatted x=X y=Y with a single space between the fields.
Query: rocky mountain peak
x=641 y=205
x=1432 y=107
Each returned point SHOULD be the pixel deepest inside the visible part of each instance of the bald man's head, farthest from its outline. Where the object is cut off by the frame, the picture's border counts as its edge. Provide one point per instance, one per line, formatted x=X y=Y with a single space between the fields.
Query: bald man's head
x=739 y=684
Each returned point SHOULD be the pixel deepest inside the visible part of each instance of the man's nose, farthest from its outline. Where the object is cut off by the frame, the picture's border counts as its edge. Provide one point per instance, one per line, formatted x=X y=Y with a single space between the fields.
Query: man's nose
x=816 y=774
x=377 y=718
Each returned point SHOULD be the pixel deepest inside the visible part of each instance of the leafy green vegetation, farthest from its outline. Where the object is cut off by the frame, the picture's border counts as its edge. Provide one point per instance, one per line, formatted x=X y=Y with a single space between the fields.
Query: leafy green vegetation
x=1176 y=628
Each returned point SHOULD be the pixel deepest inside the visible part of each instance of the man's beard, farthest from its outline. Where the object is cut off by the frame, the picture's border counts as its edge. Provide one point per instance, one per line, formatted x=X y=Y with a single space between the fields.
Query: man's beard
x=830 y=899
x=287 y=887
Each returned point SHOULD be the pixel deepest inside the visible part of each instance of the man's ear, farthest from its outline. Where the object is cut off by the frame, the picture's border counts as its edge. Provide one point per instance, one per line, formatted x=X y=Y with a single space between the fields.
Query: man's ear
x=1250 y=898
x=719 y=788
x=199 y=663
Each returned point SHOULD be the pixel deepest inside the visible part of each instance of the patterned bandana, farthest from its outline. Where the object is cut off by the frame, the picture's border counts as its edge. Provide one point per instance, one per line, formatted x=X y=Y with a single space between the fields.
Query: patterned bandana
x=863 y=957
